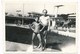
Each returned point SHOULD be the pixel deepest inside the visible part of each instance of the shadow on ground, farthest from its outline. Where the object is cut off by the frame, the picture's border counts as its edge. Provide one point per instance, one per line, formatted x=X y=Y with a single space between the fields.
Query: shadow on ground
x=21 y=35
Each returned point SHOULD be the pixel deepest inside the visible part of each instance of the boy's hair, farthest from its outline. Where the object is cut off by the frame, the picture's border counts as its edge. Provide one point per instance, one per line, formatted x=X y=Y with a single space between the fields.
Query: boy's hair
x=37 y=19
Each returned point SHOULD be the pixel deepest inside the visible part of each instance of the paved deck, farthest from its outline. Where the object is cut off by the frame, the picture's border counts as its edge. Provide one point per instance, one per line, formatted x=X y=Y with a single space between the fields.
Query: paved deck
x=19 y=47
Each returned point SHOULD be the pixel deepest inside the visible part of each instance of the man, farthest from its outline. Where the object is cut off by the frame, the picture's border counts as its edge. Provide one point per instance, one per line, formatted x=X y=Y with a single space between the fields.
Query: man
x=45 y=23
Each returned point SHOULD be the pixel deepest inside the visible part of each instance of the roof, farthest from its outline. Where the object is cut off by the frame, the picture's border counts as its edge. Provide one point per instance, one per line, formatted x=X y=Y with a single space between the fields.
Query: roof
x=18 y=17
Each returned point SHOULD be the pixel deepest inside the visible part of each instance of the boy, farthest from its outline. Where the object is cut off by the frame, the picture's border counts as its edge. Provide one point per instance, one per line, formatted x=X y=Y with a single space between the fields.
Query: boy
x=36 y=32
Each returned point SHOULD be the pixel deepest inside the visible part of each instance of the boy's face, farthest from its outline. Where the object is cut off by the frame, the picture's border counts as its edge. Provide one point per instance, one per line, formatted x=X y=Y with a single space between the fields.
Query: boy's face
x=36 y=19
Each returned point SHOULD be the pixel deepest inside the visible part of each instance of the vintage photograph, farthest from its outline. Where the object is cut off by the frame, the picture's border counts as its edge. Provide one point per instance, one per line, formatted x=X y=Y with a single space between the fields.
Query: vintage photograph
x=40 y=26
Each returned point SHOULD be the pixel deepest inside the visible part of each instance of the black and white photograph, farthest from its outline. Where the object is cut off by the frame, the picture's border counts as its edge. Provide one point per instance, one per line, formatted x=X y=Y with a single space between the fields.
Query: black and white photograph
x=40 y=26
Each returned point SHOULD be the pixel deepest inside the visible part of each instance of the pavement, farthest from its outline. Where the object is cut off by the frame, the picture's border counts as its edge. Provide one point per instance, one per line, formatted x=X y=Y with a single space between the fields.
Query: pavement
x=19 y=47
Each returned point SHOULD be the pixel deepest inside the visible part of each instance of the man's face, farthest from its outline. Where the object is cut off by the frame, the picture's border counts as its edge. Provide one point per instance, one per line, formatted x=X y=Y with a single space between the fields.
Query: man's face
x=44 y=13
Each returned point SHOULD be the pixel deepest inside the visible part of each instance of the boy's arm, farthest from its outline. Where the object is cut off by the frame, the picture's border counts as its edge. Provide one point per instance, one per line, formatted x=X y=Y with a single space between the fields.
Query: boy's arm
x=32 y=26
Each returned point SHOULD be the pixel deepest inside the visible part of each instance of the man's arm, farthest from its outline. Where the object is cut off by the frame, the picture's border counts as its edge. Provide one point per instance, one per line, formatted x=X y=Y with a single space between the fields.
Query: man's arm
x=48 y=24
x=42 y=28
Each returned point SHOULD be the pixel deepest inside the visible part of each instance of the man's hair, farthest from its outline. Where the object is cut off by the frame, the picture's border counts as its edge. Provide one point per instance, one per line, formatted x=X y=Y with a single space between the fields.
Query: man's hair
x=45 y=11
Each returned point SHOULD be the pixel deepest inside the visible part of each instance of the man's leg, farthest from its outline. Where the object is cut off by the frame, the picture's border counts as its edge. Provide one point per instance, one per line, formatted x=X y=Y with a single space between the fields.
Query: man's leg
x=40 y=41
x=45 y=35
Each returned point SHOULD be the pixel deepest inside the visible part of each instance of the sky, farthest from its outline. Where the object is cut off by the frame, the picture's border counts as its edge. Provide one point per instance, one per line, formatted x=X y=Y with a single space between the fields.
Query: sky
x=38 y=5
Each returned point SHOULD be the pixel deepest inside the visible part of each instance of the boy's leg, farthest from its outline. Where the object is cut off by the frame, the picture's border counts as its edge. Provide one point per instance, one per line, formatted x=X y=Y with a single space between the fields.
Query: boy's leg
x=33 y=39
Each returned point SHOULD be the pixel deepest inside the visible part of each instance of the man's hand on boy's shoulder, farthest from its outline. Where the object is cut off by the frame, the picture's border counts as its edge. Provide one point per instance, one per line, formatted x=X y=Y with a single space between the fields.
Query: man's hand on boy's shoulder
x=30 y=25
x=33 y=22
